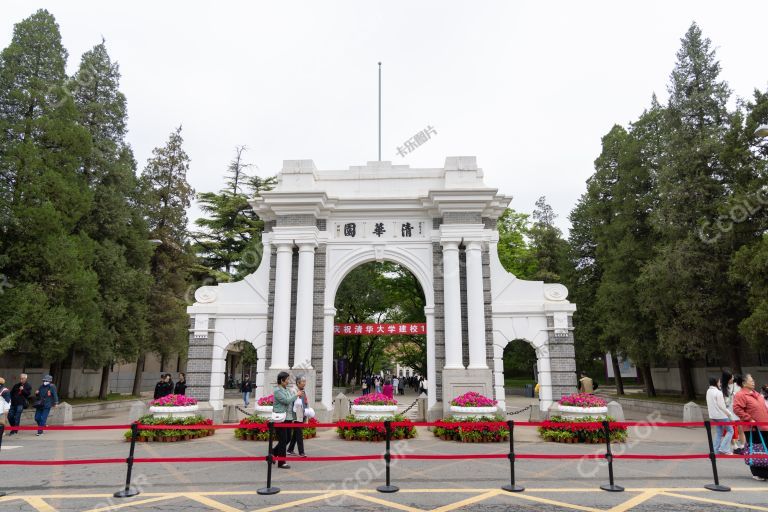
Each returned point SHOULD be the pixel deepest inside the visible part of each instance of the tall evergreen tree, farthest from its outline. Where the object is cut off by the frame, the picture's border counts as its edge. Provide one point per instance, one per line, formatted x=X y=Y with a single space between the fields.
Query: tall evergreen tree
x=547 y=244
x=514 y=250
x=51 y=307
x=683 y=286
x=167 y=195
x=229 y=244
x=116 y=222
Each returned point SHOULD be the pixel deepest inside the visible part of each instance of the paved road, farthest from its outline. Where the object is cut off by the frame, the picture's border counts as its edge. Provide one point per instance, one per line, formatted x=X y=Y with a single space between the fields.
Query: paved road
x=425 y=485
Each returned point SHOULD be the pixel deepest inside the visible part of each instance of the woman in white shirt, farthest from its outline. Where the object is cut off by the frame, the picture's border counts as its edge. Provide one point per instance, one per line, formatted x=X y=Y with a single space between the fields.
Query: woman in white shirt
x=719 y=413
x=734 y=387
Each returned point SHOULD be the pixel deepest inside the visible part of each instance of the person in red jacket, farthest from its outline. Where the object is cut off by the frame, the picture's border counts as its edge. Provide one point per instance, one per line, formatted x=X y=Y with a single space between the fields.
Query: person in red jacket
x=749 y=406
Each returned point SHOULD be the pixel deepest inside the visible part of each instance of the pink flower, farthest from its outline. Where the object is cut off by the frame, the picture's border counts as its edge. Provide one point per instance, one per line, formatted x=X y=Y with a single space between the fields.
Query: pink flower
x=173 y=401
x=267 y=400
x=473 y=399
x=583 y=400
x=374 y=399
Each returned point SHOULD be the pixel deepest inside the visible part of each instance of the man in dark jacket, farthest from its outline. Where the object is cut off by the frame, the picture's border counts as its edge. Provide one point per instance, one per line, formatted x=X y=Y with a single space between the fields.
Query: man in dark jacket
x=245 y=388
x=20 y=393
x=47 y=397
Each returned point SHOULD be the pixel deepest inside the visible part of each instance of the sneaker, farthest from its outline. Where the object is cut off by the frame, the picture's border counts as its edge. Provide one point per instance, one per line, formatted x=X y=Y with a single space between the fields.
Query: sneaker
x=292 y=454
x=725 y=453
x=758 y=478
x=738 y=451
x=303 y=455
x=286 y=466
x=39 y=434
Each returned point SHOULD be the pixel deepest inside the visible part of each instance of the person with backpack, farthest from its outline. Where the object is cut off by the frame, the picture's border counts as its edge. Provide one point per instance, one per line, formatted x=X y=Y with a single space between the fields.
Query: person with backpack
x=46 y=398
x=20 y=395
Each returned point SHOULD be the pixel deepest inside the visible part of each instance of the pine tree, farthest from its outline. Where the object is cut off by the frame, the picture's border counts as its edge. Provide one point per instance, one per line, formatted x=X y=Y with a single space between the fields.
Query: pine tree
x=51 y=306
x=682 y=287
x=116 y=221
x=166 y=196
x=229 y=244
x=547 y=244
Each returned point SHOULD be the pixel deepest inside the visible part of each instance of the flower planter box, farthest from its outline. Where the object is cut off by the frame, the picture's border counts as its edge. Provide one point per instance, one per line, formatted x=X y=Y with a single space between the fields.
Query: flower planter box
x=374 y=411
x=466 y=412
x=173 y=412
x=571 y=412
x=264 y=411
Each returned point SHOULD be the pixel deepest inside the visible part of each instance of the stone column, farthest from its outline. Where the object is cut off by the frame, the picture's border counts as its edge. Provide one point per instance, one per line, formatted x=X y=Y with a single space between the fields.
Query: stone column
x=302 y=354
x=429 y=311
x=475 y=307
x=327 y=399
x=281 y=322
x=452 y=305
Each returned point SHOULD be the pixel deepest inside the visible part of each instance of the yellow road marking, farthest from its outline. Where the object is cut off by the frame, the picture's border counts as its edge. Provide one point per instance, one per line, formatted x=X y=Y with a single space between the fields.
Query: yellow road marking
x=468 y=501
x=551 y=502
x=633 y=502
x=39 y=504
x=299 y=502
x=133 y=503
x=217 y=505
x=714 y=502
x=386 y=503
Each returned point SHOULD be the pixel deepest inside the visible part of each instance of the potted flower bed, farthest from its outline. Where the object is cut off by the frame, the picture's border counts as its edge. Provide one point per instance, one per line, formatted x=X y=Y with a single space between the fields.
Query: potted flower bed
x=580 y=430
x=374 y=406
x=471 y=429
x=349 y=430
x=256 y=428
x=472 y=404
x=172 y=435
x=581 y=405
x=263 y=407
x=173 y=406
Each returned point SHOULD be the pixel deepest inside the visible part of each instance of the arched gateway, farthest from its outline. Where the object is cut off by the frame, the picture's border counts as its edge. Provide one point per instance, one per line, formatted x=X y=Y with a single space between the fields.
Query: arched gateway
x=440 y=224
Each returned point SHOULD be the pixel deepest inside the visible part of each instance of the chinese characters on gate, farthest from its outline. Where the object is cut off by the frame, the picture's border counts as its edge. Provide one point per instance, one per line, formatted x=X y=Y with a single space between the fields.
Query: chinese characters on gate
x=352 y=230
x=379 y=329
x=417 y=140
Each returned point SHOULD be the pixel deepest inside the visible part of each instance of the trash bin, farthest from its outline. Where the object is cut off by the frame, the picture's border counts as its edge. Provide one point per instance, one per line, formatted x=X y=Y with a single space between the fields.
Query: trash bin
x=529 y=390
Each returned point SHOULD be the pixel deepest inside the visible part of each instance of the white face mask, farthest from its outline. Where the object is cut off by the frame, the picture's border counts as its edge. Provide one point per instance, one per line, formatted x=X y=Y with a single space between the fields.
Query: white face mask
x=46 y=383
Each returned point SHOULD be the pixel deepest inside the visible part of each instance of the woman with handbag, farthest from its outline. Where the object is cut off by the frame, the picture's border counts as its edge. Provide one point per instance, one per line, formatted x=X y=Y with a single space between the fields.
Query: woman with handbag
x=283 y=409
x=749 y=406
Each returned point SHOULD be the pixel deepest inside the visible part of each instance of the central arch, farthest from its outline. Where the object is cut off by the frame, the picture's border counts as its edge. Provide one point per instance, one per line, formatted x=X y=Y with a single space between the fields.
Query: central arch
x=342 y=259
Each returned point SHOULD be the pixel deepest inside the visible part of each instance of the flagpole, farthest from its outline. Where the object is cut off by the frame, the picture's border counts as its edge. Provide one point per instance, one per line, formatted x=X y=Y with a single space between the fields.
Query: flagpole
x=379 y=111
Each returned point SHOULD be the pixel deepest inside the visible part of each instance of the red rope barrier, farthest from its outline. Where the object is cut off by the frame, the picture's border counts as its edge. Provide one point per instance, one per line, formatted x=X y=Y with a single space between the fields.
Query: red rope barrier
x=554 y=456
x=71 y=427
x=662 y=457
x=70 y=462
x=451 y=456
x=329 y=458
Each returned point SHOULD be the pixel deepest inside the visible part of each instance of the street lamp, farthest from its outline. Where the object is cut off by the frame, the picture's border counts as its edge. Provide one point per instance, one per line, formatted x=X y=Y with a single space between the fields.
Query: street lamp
x=762 y=131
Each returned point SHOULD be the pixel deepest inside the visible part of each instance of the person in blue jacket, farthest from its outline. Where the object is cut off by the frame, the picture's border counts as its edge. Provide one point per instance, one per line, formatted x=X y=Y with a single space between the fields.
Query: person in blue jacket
x=46 y=398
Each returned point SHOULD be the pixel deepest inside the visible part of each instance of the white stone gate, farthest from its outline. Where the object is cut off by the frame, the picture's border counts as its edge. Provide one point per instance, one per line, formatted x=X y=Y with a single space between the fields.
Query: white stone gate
x=440 y=225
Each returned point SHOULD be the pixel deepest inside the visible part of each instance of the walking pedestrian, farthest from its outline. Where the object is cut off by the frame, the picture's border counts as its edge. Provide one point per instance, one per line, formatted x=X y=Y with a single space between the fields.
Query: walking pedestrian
x=749 y=406
x=299 y=406
x=181 y=385
x=387 y=389
x=719 y=413
x=741 y=440
x=20 y=394
x=364 y=385
x=5 y=402
x=245 y=388
x=395 y=384
x=283 y=403
x=46 y=398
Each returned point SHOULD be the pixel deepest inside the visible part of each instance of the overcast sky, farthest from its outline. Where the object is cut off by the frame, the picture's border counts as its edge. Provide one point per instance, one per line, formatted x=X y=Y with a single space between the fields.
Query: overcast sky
x=527 y=87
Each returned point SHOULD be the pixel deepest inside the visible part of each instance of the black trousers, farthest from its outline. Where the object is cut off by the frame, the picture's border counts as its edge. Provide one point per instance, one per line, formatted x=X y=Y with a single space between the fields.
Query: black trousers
x=283 y=435
x=756 y=470
x=297 y=438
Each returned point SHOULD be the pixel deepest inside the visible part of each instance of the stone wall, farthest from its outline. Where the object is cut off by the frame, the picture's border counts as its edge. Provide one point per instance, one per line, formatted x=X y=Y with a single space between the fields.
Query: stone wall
x=200 y=363
x=562 y=362
x=437 y=265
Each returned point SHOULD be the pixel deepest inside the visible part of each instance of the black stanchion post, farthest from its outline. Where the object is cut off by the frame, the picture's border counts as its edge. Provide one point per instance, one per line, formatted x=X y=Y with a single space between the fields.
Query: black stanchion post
x=512 y=487
x=713 y=459
x=610 y=487
x=2 y=431
x=128 y=492
x=387 y=457
x=270 y=459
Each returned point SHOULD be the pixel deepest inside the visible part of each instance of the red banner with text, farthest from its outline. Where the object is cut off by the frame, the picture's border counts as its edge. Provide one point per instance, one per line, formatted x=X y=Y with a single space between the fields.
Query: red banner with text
x=378 y=329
